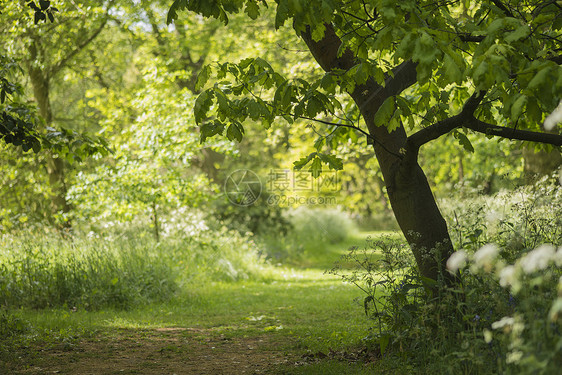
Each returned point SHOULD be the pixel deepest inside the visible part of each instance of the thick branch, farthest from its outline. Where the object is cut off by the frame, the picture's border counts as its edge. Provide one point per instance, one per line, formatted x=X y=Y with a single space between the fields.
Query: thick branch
x=466 y=119
x=511 y=133
x=416 y=140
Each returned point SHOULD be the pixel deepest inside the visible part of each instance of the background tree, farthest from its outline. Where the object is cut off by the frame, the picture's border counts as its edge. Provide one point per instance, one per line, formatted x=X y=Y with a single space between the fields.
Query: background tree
x=46 y=51
x=489 y=67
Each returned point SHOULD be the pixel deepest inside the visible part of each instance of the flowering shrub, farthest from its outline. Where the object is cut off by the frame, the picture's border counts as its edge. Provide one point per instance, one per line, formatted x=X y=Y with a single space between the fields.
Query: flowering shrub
x=505 y=314
x=530 y=338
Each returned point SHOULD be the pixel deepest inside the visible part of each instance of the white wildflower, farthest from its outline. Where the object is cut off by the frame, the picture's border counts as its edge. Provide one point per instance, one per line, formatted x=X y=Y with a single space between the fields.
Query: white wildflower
x=557 y=258
x=487 y=336
x=493 y=216
x=554 y=118
x=514 y=356
x=485 y=255
x=507 y=276
x=456 y=261
x=538 y=258
x=506 y=321
x=555 y=310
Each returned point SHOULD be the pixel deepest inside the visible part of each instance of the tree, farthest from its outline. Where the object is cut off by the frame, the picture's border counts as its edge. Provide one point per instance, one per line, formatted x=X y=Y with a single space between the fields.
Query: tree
x=46 y=50
x=416 y=70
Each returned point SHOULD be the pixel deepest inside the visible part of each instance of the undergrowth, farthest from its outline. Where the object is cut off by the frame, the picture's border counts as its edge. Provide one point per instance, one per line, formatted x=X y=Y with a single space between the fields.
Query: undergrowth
x=505 y=316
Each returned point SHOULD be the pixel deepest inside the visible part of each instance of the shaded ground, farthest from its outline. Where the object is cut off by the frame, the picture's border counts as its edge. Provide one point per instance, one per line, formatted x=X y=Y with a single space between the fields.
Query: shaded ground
x=162 y=351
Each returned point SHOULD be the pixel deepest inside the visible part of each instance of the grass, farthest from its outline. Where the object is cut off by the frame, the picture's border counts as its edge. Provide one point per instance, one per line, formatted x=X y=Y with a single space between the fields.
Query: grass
x=302 y=308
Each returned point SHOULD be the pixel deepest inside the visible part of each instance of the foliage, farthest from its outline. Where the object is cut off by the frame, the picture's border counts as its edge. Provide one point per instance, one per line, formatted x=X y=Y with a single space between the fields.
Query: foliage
x=517 y=220
x=505 y=314
x=507 y=51
x=91 y=272
x=16 y=119
x=320 y=225
x=151 y=171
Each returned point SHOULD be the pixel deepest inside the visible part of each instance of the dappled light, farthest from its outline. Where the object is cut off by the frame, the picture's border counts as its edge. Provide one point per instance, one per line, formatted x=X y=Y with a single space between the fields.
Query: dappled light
x=281 y=187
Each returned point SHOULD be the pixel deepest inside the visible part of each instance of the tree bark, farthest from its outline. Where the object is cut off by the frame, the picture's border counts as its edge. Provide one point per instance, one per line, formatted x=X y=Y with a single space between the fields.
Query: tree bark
x=409 y=192
x=55 y=165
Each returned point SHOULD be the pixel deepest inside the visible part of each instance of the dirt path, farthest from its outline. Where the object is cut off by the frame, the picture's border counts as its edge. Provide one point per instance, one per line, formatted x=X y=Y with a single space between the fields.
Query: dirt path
x=161 y=351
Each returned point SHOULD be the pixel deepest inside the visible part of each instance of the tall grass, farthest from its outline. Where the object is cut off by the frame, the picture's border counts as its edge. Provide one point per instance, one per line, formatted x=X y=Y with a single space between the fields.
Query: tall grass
x=92 y=272
x=51 y=271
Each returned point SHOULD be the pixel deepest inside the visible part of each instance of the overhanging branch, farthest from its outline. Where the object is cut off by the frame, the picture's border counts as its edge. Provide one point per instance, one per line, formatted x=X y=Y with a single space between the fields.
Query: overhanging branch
x=466 y=119
x=443 y=127
x=511 y=133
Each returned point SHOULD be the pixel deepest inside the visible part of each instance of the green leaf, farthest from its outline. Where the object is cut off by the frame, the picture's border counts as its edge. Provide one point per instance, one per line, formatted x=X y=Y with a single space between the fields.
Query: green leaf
x=385 y=112
x=282 y=13
x=319 y=143
x=211 y=129
x=202 y=77
x=452 y=71
x=316 y=167
x=464 y=141
x=314 y=106
x=519 y=33
x=252 y=9
x=299 y=164
x=235 y=131
x=404 y=106
x=318 y=32
x=202 y=105
x=518 y=106
x=332 y=161
x=540 y=79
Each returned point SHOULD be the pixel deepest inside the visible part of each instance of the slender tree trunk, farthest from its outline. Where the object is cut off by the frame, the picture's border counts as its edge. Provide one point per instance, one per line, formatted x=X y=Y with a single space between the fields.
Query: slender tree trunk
x=55 y=165
x=409 y=192
x=461 y=168
x=155 y=221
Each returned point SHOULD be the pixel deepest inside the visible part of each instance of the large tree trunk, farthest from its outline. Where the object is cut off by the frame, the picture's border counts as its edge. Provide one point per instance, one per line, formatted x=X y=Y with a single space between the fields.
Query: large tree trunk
x=409 y=193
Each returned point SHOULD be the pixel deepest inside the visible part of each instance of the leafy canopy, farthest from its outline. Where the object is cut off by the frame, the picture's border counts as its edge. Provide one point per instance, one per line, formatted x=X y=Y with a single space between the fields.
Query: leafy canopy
x=508 y=49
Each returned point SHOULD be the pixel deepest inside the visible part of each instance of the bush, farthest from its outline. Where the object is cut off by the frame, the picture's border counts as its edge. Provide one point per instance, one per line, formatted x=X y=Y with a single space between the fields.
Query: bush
x=320 y=225
x=311 y=230
x=517 y=220
x=505 y=316
x=81 y=272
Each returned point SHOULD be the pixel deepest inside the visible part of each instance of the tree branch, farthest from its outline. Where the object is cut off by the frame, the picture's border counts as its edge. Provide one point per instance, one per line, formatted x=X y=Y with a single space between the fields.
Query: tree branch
x=62 y=62
x=425 y=135
x=503 y=8
x=418 y=139
x=512 y=133
x=466 y=119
